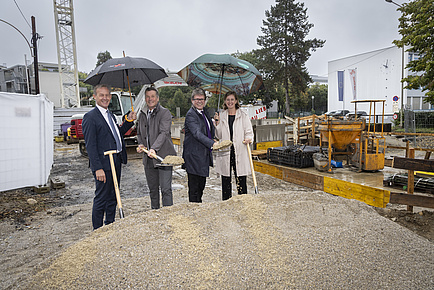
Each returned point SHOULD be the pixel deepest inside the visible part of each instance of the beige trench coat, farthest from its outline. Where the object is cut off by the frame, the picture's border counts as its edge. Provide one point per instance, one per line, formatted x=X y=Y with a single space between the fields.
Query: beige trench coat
x=242 y=130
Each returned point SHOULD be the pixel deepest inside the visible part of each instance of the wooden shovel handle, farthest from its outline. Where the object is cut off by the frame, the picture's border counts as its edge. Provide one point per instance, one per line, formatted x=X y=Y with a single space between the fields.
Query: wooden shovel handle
x=251 y=166
x=115 y=179
x=152 y=154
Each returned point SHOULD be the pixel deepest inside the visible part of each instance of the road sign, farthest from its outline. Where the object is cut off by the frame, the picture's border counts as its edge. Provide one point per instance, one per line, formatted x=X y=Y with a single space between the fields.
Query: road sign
x=395 y=116
x=395 y=98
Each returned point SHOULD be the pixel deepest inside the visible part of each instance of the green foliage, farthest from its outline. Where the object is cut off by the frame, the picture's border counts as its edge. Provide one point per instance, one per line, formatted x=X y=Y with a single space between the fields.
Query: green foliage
x=320 y=101
x=417 y=29
x=173 y=97
x=285 y=49
x=102 y=57
x=84 y=96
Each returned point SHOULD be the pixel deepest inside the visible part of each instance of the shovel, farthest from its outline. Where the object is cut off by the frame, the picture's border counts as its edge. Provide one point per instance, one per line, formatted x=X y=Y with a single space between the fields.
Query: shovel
x=251 y=167
x=163 y=161
x=115 y=181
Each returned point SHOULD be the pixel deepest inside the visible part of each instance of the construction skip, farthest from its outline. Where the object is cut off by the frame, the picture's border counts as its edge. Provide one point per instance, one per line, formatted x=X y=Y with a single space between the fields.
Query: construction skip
x=26 y=130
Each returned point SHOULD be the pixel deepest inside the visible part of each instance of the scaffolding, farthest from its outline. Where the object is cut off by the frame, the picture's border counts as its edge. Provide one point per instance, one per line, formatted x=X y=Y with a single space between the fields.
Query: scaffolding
x=66 y=53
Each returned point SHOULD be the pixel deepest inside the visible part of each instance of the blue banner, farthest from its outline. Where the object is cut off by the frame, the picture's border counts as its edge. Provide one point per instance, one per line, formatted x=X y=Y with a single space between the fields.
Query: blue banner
x=341 y=85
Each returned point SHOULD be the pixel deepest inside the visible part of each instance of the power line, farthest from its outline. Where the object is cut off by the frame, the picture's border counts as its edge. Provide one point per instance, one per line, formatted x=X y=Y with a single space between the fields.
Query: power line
x=22 y=14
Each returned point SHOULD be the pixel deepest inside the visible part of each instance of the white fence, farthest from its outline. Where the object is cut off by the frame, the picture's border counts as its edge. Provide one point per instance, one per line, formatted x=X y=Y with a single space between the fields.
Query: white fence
x=26 y=130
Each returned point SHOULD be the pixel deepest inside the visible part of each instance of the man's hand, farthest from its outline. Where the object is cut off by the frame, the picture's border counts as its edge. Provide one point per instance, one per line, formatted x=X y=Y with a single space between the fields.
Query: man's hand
x=247 y=141
x=215 y=144
x=132 y=116
x=151 y=153
x=140 y=148
x=100 y=175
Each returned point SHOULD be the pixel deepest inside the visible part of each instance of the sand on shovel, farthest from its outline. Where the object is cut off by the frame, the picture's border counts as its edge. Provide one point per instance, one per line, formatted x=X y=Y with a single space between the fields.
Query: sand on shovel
x=222 y=144
x=173 y=160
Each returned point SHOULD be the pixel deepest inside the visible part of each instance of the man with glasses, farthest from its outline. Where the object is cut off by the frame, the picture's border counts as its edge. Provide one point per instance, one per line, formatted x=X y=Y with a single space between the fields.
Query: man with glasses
x=198 y=143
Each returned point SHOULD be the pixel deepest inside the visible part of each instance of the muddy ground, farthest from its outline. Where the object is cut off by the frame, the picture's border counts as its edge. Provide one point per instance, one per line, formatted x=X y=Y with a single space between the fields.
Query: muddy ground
x=36 y=228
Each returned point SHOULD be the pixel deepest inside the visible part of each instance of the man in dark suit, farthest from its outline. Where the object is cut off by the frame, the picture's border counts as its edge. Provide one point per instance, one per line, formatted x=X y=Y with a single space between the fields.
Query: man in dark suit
x=198 y=143
x=101 y=134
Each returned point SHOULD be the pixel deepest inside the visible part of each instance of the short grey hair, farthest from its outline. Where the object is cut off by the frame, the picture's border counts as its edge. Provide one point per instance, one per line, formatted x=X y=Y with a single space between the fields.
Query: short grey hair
x=100 y=86
x=198 y=92
x=148 y=89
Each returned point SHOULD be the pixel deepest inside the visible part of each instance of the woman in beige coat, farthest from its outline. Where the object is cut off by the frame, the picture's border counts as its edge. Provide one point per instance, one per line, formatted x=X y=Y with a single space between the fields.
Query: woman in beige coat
x=233 y=124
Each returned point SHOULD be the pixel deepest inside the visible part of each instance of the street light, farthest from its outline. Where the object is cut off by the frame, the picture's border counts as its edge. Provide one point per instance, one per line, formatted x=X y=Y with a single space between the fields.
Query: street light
x=28 y=43
x=390 y=1
x=402 y=73
x=313 y=99
x=33 y=49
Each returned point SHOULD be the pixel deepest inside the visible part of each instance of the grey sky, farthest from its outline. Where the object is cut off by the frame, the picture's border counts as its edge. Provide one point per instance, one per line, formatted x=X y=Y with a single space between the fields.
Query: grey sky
x=172 y=33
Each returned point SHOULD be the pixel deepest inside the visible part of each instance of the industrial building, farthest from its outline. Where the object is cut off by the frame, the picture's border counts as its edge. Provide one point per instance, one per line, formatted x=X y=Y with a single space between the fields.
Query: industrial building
x=374 y=75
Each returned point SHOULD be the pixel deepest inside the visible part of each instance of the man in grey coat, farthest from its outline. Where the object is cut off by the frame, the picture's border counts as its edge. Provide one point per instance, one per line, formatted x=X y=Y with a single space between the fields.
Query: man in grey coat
x=153 y=133
x=198 y=143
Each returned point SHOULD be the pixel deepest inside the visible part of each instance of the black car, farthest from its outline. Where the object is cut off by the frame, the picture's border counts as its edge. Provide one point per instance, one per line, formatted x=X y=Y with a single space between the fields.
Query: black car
x=337 y=113
x=351 y=115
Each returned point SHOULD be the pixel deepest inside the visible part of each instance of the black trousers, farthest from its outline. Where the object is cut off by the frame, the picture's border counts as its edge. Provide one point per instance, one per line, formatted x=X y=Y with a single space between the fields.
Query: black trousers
x=241 y=181
x=196 y=185
x=105 y=196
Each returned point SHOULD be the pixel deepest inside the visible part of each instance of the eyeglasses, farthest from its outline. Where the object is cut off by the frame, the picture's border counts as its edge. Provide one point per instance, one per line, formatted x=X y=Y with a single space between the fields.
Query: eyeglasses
x=199 y=100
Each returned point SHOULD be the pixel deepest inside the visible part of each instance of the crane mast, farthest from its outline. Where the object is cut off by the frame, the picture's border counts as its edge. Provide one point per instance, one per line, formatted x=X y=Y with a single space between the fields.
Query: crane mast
x=66 y=53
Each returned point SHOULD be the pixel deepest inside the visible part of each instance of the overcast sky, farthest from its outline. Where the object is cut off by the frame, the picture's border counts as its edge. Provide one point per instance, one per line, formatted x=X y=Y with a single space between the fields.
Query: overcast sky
x=173 y=33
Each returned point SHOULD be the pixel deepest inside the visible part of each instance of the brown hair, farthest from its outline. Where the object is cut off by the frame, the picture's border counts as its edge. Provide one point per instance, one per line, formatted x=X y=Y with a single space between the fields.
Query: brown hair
x=198 y=92
x=149 y=89
x=237 y=105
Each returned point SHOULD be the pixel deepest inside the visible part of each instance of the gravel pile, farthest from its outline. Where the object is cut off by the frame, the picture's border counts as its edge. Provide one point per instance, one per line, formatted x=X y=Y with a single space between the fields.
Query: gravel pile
x=280 y=240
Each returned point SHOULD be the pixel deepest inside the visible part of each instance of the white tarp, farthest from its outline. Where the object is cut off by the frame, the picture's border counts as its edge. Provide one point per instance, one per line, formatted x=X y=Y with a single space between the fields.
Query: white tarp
x=26 y=130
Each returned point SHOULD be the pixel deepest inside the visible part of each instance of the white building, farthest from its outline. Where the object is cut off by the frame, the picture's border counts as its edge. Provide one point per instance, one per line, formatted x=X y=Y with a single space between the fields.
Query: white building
x=373 y=75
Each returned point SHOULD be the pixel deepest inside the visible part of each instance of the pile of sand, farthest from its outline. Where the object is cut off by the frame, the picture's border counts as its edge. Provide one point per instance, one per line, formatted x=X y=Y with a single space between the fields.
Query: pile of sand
x=282 y=240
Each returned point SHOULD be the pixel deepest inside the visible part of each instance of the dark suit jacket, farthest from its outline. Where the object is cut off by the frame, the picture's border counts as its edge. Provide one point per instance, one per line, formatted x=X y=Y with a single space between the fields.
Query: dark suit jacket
x=197 y=155
x=99 y=139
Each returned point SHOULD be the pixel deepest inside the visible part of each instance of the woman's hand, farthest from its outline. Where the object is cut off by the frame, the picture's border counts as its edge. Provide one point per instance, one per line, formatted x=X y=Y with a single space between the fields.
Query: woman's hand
x=216 y=118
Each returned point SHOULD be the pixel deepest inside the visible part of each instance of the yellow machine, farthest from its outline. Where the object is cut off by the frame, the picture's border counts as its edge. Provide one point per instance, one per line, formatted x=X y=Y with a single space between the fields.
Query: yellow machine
x=373 y=146
x=363 y=149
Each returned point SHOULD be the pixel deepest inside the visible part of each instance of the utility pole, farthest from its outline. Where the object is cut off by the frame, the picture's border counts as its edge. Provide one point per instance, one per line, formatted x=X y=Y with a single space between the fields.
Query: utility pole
x=67 y=53
x=35 y=55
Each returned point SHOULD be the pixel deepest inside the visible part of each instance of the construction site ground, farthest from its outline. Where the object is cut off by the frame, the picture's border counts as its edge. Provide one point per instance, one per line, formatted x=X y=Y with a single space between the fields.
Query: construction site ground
x=38 y=231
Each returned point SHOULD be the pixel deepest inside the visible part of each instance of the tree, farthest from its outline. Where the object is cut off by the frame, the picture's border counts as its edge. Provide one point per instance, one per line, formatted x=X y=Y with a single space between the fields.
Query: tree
x=417 y=29
x=284 y=47
x=102 y=57
x=173 y=97
x=320 y=97
x=87 y=93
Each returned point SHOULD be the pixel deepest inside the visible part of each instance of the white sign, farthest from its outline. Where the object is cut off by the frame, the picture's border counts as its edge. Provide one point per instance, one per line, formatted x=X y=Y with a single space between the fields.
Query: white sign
x=353 y=73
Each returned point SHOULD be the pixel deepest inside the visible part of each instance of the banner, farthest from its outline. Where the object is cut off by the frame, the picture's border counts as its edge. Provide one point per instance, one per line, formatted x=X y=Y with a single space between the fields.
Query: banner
x=353 y=73
x=341 y=85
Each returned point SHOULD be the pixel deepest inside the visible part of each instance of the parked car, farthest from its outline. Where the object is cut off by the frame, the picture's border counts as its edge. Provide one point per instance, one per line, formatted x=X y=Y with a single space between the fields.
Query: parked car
x=360 y=114
x=337 y=113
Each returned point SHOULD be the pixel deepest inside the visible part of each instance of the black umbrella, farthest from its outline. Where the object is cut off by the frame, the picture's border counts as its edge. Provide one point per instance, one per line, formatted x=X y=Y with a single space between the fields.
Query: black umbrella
x=125 y=72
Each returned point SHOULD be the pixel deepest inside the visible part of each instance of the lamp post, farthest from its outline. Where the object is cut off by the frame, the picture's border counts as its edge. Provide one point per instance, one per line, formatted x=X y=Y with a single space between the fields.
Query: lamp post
x=33 y=49
x=313 y=101
x=402 y=74
x=390 y=1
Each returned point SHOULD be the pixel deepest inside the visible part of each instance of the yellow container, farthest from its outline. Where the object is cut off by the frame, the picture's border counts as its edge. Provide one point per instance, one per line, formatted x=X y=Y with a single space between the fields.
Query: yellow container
x=58 y=138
